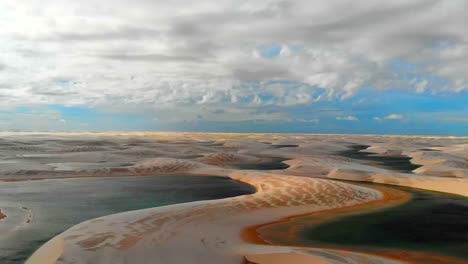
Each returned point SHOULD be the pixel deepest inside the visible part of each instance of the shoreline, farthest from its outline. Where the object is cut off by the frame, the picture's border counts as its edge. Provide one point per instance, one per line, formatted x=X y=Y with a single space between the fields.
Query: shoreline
x=267 y=185
x=252 y=235
x=277 y=196
x=253 y=238
x=392 y=197
x=306 y=254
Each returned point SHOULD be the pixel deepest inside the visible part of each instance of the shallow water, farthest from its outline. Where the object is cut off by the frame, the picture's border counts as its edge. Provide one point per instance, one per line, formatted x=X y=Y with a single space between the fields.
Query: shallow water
x=273 y=163
x=58 y=204
x=278 y=146
x=397 y=163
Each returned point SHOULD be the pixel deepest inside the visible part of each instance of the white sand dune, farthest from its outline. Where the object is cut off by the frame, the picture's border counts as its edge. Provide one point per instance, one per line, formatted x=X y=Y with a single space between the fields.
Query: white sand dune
x=199 y=232
x=210 y=231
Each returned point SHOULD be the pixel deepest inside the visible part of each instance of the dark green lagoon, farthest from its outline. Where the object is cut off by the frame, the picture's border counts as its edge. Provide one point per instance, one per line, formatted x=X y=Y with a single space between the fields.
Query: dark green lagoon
x=56 y=205
x=431 y=222
x=393 y=162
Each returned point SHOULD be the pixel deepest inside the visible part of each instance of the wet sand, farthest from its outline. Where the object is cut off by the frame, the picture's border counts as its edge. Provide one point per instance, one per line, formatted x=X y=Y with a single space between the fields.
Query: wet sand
x=291 y=231
x=284 y=231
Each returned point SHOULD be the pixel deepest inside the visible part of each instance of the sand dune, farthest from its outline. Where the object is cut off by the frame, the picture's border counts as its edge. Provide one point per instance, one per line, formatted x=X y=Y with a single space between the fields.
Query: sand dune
x=211 y=231
x=215 y=239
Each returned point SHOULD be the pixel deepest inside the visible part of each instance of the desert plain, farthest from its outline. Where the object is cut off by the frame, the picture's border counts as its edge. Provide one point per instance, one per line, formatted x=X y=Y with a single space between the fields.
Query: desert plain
x=297 y=199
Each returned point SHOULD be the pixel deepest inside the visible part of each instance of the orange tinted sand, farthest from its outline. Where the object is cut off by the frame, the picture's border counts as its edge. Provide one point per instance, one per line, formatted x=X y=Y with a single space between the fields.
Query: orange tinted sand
x=420 y=258
x=284 y=232
x=2 y=215
x=404 y=256
x=259 y=234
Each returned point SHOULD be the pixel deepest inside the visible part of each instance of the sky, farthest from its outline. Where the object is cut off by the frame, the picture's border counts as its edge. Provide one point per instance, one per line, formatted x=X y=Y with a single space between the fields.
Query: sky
x=304 y=66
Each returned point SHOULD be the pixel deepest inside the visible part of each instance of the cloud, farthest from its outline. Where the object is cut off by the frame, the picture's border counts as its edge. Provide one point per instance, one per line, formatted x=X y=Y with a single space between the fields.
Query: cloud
x=154 y=55
x=347 y=118
x=313 y=120
x=388 y=117
x=393 y=117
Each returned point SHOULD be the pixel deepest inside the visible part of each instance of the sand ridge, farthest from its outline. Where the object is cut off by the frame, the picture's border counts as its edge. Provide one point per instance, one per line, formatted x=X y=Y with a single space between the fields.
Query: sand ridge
x=277 y=196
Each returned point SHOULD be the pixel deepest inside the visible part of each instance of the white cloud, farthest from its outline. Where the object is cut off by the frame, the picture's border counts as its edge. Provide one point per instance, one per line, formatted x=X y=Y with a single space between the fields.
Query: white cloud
x=389 y=117
x=313 y=120
x=394 y=117
x=123 y=55
x=347 y=118
x=421 y=86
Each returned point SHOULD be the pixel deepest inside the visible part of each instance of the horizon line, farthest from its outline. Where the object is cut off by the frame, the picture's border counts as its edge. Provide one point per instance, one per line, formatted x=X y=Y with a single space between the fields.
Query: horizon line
x=251 y=133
